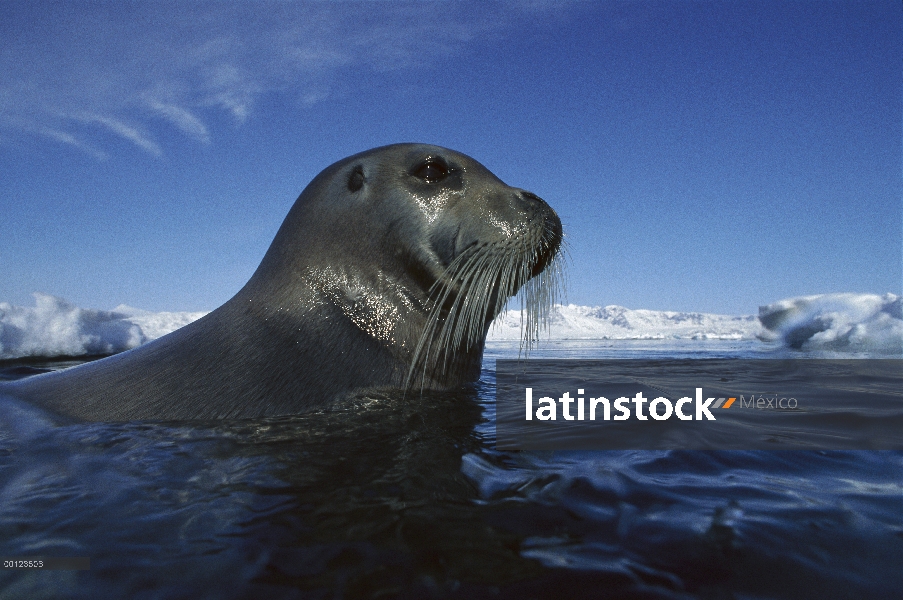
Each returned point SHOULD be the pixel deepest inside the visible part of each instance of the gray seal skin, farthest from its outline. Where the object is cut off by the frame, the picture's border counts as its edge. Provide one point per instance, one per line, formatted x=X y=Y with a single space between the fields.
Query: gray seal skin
x=386 y=273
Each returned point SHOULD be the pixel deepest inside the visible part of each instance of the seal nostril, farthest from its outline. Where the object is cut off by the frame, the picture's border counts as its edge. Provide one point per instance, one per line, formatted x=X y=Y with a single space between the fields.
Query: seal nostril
x=530 y=196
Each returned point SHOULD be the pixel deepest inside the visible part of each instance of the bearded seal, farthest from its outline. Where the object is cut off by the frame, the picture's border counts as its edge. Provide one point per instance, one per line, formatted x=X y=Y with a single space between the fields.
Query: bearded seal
x=386 y=273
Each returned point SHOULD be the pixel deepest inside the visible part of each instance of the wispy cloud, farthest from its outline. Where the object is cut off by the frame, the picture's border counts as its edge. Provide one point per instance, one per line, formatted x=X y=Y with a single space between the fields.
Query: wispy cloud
x=127 y=132
x=184 y=119
x=70 y=71
x=71 y=140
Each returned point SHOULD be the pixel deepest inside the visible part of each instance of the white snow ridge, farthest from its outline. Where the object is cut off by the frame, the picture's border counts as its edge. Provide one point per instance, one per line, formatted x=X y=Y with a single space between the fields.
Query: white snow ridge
x=835 y=322
x=54 y=327
x=838 y=322
x=571 y=322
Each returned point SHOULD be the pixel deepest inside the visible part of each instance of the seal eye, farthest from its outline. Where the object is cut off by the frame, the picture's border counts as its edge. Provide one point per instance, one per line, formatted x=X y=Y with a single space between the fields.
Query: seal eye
x=432 y=170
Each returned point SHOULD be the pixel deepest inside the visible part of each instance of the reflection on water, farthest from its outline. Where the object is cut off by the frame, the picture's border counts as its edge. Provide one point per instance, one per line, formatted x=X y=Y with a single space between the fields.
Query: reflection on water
x=405 y=496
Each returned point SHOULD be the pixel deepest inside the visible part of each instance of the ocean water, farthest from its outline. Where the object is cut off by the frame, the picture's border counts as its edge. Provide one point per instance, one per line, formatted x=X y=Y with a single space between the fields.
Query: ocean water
x=406 y=496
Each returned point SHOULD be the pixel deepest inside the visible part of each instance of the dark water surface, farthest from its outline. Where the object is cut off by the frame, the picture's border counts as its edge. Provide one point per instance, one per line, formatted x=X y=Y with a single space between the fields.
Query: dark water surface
x=406 y=497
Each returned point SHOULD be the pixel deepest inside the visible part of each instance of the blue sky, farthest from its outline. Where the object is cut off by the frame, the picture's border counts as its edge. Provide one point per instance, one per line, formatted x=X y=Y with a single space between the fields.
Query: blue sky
x=709 y=156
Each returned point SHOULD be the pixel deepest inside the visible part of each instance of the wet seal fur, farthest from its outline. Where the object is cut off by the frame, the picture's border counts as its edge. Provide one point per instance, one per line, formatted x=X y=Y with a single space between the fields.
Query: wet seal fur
x=386 y=272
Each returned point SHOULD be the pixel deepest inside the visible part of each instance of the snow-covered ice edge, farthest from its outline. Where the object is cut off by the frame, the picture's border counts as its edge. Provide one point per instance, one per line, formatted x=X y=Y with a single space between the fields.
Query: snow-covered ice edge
x=836 y=322
x=54 y=327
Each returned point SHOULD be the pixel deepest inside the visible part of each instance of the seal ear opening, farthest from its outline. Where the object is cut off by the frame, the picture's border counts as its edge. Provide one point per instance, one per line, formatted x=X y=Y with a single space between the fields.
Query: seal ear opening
x=356 y=179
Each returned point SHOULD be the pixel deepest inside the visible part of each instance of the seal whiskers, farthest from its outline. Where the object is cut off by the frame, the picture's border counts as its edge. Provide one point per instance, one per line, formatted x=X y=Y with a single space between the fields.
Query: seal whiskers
x=481 y=280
